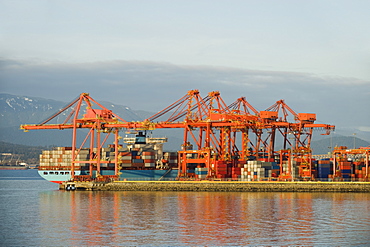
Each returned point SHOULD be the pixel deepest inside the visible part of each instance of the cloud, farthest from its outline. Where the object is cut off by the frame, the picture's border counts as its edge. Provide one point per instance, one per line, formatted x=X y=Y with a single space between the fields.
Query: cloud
x=152 y=86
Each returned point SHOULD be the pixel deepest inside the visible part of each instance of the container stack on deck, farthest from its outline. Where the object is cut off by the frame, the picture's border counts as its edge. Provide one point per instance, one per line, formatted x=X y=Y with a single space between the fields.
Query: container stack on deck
x=60 y=158
x=134 y=158
x=125 y=158
x=138 y=158
x=170 y=159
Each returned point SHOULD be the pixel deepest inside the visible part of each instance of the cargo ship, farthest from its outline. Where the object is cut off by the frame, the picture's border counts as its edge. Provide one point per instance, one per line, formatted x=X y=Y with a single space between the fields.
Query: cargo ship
x=142 y=158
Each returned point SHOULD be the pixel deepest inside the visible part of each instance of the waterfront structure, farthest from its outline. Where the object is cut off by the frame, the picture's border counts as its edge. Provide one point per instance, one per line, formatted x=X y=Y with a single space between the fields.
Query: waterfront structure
x=219 y=141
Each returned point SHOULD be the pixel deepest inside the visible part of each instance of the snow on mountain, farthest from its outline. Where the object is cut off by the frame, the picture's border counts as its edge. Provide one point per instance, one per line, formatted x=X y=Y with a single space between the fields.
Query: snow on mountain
x=13 y=103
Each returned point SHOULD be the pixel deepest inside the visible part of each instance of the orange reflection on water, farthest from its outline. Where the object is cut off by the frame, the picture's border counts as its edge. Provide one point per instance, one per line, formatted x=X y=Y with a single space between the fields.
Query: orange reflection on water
x=198 y=218
x=90 y=212
x=201 y=215
x=242 y=217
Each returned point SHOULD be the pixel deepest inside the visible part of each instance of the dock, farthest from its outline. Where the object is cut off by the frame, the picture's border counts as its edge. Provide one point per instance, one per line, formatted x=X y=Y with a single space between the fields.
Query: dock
x=219 y=186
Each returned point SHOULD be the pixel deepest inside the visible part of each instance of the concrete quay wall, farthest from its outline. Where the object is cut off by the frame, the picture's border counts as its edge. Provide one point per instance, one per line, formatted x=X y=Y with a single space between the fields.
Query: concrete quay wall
x=228 y=186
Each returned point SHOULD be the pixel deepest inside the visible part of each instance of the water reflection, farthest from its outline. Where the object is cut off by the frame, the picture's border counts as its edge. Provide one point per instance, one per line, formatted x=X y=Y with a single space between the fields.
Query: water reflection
x=205 y=218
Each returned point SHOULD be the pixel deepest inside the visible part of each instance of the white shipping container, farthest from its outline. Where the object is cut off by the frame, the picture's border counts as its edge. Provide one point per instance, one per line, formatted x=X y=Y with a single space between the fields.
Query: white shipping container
x=149 y=165
x=125 y=158
x=125 y=165
x=66 y=156
x=148 y=157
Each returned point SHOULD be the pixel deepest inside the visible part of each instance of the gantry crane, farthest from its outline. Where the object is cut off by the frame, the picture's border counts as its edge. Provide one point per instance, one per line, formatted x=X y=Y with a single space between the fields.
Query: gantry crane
x=341 y=164
x=296 y=136
x=94 y=120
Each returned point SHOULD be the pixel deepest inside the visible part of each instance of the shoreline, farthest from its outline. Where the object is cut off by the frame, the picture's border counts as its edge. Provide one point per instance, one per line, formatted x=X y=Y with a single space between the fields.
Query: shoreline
x=219 y=186
x=13 y=168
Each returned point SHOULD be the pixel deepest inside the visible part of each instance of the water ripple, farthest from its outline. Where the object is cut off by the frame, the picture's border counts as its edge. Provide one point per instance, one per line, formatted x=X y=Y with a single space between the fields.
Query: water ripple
x=46 y=216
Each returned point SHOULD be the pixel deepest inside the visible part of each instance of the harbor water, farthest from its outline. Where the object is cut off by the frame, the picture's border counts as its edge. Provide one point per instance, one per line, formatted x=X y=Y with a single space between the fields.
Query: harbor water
x=35 y=213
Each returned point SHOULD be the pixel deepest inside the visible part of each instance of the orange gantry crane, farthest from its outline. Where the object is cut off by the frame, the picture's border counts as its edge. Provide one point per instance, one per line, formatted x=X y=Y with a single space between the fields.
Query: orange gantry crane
x=351 y=162
x=220 y=133
x=94 y=120
x=296 y=137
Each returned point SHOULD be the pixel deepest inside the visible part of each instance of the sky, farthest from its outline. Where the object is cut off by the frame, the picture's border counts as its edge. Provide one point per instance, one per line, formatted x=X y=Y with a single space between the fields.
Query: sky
x=146 y=54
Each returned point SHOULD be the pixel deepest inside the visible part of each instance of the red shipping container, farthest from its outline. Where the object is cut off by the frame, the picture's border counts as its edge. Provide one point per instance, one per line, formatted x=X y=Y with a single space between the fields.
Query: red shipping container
x=125 y=161
x=149 y=160
x=125 y=153
x=236 y=171
x=345 y=167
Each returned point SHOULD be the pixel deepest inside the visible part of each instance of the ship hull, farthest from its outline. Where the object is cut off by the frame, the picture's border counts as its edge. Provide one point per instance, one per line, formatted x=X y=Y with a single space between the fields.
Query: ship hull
x=60 y=176
x=56 y=176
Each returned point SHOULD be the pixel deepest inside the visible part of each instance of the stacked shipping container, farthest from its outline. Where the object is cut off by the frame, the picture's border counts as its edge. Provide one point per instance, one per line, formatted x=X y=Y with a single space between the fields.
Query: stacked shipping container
x=60 y=158
x=345 y=169
x=141 y=156
x=324 y=168
x=256 y=170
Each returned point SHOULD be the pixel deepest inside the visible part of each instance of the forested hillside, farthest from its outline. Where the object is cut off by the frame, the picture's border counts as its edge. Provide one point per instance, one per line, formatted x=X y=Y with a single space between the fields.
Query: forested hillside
x=13 y=154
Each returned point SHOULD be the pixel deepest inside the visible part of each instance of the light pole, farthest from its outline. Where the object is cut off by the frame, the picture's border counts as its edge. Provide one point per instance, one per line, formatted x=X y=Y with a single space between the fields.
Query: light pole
x=331 y=144
x=354 y=140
